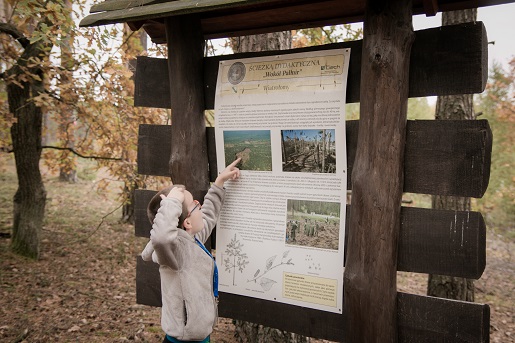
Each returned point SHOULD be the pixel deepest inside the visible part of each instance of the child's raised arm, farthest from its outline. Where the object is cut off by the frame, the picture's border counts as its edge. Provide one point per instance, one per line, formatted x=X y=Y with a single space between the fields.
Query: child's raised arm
x=230 y=173
x=176 y=192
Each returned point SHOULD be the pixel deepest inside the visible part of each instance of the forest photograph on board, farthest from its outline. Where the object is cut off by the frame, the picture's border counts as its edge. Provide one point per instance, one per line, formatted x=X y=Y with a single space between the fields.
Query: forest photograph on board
x=313 y=223
x=253 y=146
x=309 y=151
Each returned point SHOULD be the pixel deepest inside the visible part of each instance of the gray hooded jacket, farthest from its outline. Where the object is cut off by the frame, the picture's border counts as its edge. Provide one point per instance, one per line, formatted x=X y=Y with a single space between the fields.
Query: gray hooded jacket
x=189 y=309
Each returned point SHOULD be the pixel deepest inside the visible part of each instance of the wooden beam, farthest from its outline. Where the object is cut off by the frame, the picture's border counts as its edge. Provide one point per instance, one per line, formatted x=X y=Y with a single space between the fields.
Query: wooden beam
x=459 y=49
x=154 y=149
x=229 y=18
x=378 y=174
x=152 y=83
x=188 y=163
x=441 y=57
x=457 y=151
x=430 y=7
x=430 y=241
x=424 y=319
x=461 y=139
x=421 y=319
x=148 y=283
x=442 y=242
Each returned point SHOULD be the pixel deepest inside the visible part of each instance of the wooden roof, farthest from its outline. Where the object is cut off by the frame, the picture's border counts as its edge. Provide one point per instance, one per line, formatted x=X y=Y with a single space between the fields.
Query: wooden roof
x=225 y=18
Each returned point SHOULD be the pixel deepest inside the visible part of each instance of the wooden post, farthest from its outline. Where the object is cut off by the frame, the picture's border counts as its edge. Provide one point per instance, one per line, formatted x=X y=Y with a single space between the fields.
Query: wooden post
x=370 y=273
x=189 y=160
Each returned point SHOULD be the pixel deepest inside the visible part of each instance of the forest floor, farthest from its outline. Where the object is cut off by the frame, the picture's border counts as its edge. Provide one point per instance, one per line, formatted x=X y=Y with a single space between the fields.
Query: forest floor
x=83 y=287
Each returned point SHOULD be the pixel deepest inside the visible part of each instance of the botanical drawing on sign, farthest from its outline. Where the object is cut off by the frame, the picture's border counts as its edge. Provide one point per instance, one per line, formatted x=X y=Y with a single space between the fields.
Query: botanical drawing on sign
x=239 y=258
x=267 y=283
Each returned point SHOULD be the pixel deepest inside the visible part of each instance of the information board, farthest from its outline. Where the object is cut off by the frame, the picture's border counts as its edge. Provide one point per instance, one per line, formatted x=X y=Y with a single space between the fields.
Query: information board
x=280 y=235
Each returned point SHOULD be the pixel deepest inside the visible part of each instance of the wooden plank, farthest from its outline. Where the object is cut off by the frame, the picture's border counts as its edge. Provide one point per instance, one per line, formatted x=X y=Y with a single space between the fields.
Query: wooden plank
x=420 y=319
x=442 y=242
x=148 y=283
x=428 y=320
x=154 y=149
x=211 y=154
x=449 y=158
x=142 y=225
x=459 y=49
x=441 y=57
x=225 y=18
x=430 y=241
x=152 y=91
x=441 y=157
x=113 y=5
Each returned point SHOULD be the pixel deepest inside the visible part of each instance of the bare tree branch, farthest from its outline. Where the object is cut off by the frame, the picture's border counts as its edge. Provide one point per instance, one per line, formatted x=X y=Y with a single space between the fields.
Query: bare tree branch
x=15 y=33
x=79 y=154
x=327 y=34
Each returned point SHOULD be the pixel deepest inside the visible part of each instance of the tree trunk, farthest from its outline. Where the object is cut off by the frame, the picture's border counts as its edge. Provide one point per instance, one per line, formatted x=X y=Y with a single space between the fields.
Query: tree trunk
x=251 y=332
x=453 y=107
x=30 y=198
x=254 y=333
x=323 y=151
x=68 y=165
x=262 y=42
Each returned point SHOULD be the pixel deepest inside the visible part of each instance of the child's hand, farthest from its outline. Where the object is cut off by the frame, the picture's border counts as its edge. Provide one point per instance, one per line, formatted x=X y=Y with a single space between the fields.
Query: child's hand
x=176 y=192
x=229 y=173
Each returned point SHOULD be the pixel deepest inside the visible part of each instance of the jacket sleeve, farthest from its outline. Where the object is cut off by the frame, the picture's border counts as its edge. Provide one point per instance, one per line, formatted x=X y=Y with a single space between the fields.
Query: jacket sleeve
x=148 y=254
x=164 y=233
x=213 y=202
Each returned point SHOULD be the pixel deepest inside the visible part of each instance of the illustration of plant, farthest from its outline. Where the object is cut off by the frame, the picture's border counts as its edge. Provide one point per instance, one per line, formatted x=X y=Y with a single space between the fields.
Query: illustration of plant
x=239 y=259
x=267 y=283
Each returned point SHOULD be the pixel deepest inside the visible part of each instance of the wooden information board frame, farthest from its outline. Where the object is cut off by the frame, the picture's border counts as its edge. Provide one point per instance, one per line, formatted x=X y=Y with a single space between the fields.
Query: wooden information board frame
x=424 y=245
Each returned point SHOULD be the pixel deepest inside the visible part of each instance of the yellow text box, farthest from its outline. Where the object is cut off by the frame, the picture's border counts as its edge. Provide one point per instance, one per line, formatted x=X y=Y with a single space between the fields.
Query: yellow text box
x=310 y=289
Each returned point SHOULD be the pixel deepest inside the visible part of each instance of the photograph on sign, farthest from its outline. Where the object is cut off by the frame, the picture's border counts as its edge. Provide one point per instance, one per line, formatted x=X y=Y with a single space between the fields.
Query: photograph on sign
x=280 y=235
x=311 y=151
x=313 y=223
x=252 y=146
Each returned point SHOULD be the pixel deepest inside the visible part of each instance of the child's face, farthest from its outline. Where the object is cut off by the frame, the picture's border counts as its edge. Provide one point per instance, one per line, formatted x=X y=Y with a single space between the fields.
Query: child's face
x=194 y=222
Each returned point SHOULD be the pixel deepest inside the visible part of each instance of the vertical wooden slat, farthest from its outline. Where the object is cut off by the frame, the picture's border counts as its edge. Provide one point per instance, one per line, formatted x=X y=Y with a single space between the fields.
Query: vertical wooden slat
x=188 y=162
x=377 y=177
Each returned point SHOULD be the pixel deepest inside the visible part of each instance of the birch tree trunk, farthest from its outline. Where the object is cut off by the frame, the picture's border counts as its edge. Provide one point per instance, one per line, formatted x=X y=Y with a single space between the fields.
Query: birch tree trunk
x=453 y=107
x=251 y=332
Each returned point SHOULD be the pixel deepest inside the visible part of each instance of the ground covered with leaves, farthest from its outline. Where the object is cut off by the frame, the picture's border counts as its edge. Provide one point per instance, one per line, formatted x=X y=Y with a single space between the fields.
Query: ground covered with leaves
x=83 y=287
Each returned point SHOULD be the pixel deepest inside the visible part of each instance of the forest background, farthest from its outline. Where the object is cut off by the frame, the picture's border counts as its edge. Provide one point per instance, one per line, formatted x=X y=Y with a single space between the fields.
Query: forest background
x=84 y=276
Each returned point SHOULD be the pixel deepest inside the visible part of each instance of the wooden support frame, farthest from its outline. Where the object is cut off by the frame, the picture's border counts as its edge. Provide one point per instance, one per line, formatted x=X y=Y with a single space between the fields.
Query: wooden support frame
x=467 y=43
x=188 y=162
x=424 y=246
x=420 y=319
x=458 y=151
x=370 y=276
x=396 y=311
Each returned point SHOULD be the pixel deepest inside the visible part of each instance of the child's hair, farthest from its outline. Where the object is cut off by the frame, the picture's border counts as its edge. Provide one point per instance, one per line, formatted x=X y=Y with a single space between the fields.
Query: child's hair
x=155 y=202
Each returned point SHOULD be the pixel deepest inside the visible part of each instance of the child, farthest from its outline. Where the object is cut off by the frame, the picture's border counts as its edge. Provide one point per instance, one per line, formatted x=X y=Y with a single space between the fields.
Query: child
x=189 y=278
